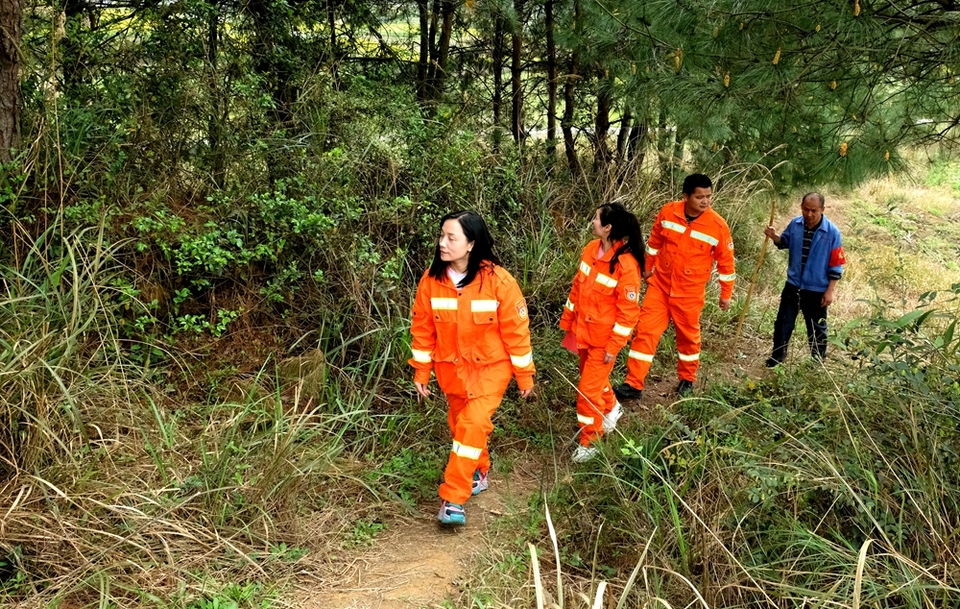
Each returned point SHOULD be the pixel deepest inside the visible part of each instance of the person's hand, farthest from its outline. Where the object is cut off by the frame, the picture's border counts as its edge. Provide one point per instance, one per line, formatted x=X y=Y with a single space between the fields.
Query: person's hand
x=422 y=389
x=646 y=274
x=607 y=358
x=827 y=299
x=724 y=304
x=525 y=393
x=770 y=232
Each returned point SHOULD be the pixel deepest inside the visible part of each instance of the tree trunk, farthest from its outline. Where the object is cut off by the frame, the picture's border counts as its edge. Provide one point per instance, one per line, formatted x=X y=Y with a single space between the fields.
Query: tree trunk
x=569 y=100
x=443 y=52
x=516 y=73
x=11 y=33
x=623 y=137
x=218 y=105
x=551 y=77
x=334 y=53
x=499 y=28
x=601 y=151
x=636 y=146
x=423 y=64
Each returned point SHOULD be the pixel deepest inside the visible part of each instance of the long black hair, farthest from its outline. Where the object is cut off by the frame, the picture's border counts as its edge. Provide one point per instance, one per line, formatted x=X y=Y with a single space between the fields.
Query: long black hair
x=623 y=226
x=474 y=229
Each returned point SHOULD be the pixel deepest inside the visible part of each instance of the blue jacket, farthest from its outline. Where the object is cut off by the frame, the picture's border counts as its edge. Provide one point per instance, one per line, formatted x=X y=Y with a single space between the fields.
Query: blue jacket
x=825 y=259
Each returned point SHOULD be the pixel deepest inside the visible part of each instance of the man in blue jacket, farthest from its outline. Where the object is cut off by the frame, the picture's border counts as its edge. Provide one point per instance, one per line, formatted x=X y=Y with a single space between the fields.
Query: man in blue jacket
x=815 y=263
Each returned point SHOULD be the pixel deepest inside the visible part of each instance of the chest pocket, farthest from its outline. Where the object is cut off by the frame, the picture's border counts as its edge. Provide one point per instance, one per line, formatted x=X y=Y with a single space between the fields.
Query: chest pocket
x=604 y=284
x=444 y=310
x=484 y=312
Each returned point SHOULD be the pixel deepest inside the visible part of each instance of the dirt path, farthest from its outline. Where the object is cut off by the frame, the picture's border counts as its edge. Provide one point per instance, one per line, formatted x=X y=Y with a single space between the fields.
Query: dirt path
x=417 y=563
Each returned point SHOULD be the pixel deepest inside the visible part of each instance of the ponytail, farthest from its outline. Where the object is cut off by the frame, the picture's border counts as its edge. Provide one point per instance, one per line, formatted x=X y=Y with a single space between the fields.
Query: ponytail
x=625 y=227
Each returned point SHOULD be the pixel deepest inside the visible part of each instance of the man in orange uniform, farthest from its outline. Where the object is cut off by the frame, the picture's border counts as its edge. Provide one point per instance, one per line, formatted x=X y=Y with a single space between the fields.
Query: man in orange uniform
x=686 y=239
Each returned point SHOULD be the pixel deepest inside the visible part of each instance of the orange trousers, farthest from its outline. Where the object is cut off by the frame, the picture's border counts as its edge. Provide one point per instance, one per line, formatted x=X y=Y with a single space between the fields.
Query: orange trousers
x=470 y=420
x=657 y=311
x=594 y=395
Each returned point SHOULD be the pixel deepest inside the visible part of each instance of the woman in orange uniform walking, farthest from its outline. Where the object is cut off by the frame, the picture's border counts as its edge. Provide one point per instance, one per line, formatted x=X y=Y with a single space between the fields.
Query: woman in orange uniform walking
x=600 y=314
x=470 y=328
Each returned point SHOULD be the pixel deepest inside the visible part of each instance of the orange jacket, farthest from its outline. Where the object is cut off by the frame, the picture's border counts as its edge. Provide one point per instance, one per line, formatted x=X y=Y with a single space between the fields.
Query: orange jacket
x=602 y=309
x=483 y=323
x=681 y=256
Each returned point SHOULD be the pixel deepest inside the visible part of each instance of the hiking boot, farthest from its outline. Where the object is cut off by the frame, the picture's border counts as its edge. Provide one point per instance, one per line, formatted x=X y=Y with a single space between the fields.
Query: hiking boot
x=610 y=419
x=451 y=513
x=584 y=453
x=685 y=388
x=627 y=392
x=772 y=362
x=480 y=482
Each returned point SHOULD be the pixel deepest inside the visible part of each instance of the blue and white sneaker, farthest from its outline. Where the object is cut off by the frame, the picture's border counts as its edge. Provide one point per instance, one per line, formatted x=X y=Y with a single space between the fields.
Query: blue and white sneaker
x=480 y=482
x=451 y=513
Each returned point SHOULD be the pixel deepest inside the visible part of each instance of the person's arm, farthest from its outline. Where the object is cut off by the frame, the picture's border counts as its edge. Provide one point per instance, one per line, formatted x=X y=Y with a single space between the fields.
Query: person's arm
x=771 y=233
x=834 y=270
x=514 y=324
x=726 y=267
x=827 y=298
x=424 y=341
x=573 y=300
x=654 y=243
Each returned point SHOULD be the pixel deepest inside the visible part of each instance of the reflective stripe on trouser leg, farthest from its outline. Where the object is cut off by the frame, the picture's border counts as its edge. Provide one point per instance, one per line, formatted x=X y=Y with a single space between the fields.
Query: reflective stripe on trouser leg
x=654 y=317
x=469 y=448
x=686 y=322
x=594 y=395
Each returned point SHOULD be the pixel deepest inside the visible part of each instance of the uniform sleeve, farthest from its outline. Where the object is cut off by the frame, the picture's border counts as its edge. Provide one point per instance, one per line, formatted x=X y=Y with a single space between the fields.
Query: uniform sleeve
x=837 y=258
x=515 y=331
x=573 y=301
x=424 y=333
x=726 y=264
x=628 y=307
x=654 y=243
x=785 y=238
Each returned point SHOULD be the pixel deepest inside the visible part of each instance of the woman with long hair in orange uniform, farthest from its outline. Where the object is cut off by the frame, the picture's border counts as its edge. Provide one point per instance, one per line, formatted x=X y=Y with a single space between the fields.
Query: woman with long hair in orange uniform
x=470 y=328
x=599 y=316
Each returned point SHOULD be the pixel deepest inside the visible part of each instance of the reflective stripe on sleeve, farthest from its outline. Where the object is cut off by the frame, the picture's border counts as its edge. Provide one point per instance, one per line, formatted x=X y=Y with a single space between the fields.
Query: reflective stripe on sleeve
x=483 y=306
x=652 y=251
x=584 y=420
x=643 y=357
x=467 y=452
x=569 y=305
x=584 y=268
x=422 y=357
x=688 y=358
x=621 y=330
x=443 y=304
x=704 y=237
x=674 y=226
x=729 y=277
x=610 y=282
x=522 y=361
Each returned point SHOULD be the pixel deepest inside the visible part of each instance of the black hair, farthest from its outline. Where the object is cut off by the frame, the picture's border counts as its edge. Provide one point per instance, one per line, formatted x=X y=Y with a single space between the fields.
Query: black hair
x=475 y=230
x=625 y=227
x=695 y=181
x=817 y=195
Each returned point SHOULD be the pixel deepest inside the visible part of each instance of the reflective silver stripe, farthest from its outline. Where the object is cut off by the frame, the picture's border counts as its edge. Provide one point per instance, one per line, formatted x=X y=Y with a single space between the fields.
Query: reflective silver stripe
x=610 y=282
x=621 y=330
x=522 y=361
x=643 y=357
x=688 y=358
x=652 y=251
x=569 y=304
x=704 y=237
x=584 y=268
x=421 y=356
x=584 y=420
x=667 y=224
x=729 y=277
x=483 y=306
x=467 y=452
x=443 y=304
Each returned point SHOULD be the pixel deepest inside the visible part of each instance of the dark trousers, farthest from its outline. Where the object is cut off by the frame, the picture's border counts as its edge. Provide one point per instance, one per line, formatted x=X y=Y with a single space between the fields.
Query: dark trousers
x=793 y=300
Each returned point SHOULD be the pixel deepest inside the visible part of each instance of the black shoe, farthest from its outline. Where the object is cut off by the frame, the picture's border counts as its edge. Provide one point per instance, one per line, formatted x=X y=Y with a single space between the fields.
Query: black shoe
x=685 y=388
x=772 y=362
x=627 y=392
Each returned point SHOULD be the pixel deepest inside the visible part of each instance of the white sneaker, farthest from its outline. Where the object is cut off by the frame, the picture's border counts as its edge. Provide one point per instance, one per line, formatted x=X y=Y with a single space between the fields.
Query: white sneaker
x=610 y=419
x=584 y=453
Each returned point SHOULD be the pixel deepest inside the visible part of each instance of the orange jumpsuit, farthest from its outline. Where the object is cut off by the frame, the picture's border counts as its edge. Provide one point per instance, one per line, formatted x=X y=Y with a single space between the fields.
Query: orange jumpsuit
x=475 y=339
x=602 y=312
x=681 y=256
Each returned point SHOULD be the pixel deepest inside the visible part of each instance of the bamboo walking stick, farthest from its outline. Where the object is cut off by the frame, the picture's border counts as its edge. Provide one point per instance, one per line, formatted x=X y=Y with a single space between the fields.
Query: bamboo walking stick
x=756 y=271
